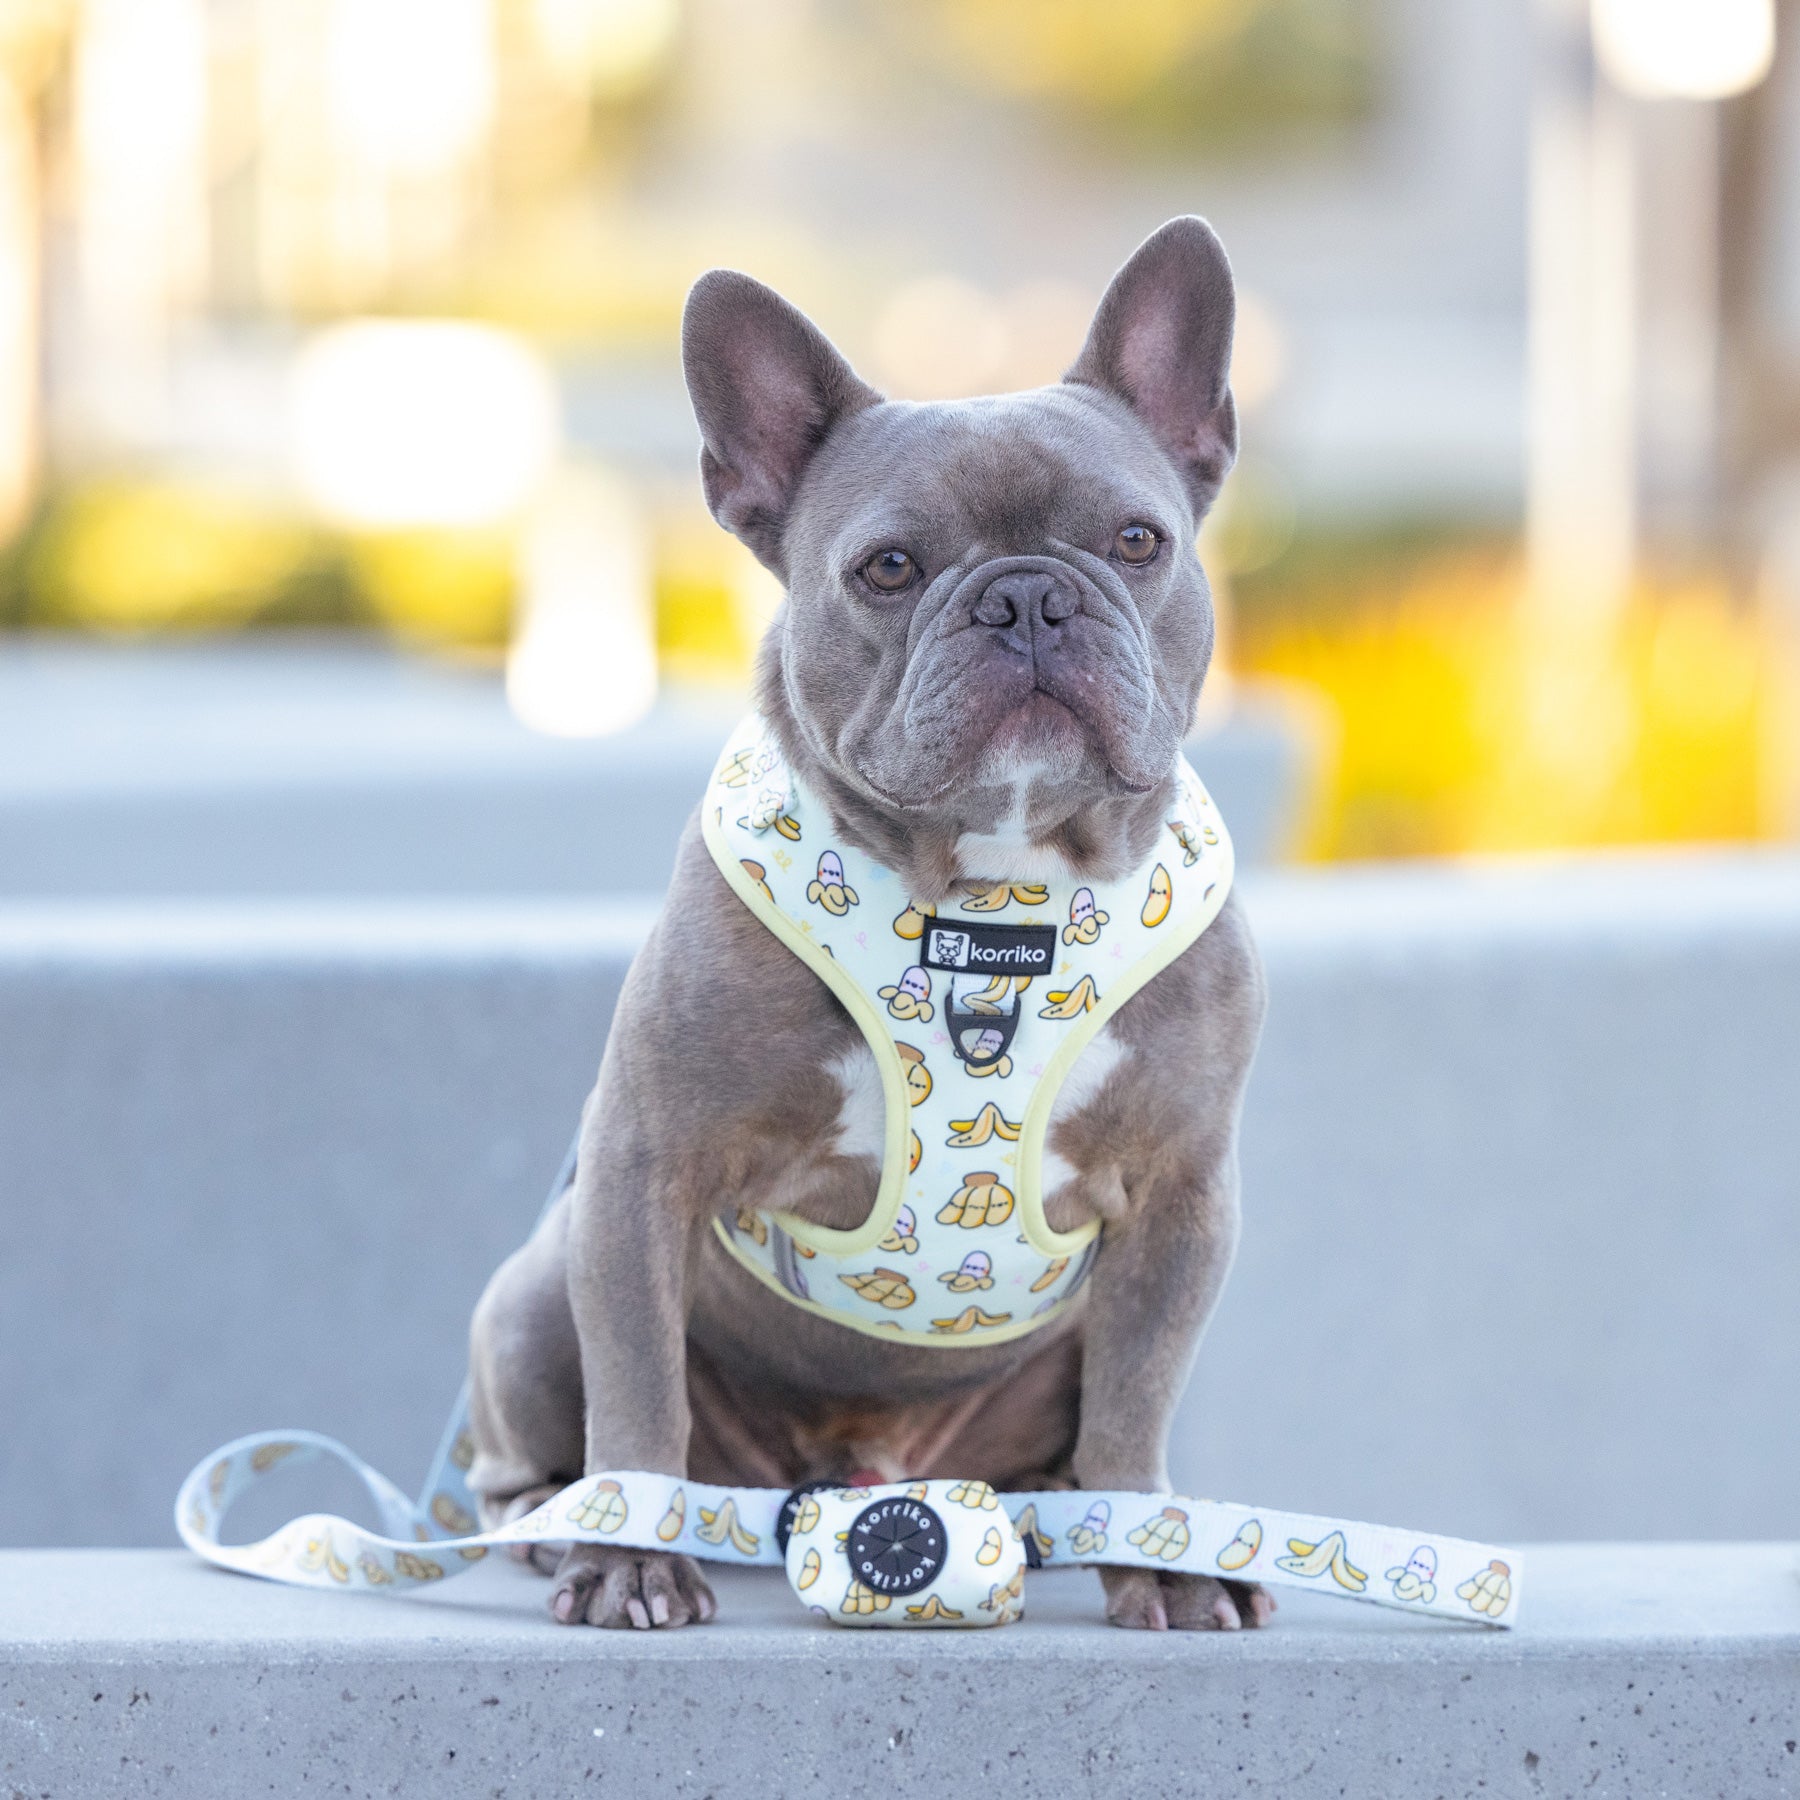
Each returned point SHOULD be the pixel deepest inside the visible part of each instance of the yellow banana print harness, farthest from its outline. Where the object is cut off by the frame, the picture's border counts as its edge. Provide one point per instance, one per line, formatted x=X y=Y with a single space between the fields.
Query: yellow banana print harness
x=974 y=1014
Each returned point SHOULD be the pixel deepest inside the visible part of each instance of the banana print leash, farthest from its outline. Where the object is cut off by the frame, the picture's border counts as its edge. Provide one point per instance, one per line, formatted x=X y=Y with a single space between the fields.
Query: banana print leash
x=977 y=1578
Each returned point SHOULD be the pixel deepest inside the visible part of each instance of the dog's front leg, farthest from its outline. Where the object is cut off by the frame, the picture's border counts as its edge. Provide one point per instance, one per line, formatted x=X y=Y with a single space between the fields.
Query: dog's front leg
x=633 y=1237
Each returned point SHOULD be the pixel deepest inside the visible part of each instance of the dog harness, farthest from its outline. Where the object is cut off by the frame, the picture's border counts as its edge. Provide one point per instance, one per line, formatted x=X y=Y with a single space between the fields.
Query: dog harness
x=974 y=1013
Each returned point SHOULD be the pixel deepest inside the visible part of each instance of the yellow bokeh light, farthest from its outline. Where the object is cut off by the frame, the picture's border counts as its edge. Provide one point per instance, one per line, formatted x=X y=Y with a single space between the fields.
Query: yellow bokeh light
x=1685 y=49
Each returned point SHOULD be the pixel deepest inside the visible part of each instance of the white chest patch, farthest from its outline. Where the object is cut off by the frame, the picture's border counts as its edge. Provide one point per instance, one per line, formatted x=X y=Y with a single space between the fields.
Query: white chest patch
x=1092 y=1069
x=1007 y=853
x=862 y=1113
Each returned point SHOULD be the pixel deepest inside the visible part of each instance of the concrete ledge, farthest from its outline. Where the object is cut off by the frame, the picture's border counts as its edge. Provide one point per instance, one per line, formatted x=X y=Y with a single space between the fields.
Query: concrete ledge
x=1642 y=1670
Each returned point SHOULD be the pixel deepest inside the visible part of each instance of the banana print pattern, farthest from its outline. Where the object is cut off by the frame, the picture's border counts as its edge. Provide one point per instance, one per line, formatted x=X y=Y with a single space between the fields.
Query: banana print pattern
x=988 y=1533
x=956 y=1214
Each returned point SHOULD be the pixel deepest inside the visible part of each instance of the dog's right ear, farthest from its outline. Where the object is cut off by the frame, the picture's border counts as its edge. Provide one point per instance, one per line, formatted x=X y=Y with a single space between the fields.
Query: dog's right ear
x=767 y=387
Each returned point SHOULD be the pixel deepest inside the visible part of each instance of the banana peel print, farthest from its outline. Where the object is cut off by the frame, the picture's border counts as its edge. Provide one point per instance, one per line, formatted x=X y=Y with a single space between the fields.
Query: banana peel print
x=1160 y=898
x=1048 y=1278
x=722 y=1527
x=809 y=1570
x=986 y=897
x=1242 y=1549
x=770 y=808
x=967 y=1320
x=456 y=1520
x=910 y=997
x=1071 y=1002
x=1085 y=919
x=1330 y=1552
x=932 y=1610
x=991 y=998
x=1189 y=842
x=829 y=888
x=911 y=923
x=417 y=1568
x=984 y=1044
x=752 y=1224
x=1166 y=1535
x=975 y=1271
x=1488 y=1592
x=1025 y=1529
x=990 y=1122
x=321 y=1553
x=668 y=1527
x=860 y=1600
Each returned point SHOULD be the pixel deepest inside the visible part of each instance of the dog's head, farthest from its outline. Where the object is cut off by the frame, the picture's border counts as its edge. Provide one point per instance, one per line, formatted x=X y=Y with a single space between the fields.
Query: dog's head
x=996 y=625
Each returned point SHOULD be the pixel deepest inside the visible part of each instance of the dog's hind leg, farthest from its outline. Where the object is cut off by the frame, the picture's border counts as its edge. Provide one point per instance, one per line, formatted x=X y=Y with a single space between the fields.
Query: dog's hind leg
x=525 y=1385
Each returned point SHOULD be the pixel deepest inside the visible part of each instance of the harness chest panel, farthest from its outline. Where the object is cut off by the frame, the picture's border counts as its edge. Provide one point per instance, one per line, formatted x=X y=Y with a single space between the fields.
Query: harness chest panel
x=974 y=1013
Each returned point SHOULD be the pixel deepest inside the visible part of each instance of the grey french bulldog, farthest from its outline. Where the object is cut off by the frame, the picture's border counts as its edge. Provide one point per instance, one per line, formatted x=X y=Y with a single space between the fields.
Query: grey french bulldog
x=994 y=636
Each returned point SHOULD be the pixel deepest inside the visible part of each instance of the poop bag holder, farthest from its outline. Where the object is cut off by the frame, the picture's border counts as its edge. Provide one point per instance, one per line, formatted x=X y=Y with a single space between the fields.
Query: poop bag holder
x=925 y=1553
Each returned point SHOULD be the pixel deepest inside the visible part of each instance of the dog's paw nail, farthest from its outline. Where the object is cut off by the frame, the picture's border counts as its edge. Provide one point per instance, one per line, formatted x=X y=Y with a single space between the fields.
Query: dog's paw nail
x=634 y=1610
x=659 y=1609
x=1226 y=1614
x=563 y=1606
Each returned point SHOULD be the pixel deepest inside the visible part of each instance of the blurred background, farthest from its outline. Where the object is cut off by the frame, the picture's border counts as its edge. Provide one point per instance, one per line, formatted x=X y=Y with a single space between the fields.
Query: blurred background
x=338 y=359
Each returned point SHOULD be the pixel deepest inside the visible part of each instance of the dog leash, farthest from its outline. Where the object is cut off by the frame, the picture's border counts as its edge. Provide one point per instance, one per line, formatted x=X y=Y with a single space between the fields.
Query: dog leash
x=915 y=1553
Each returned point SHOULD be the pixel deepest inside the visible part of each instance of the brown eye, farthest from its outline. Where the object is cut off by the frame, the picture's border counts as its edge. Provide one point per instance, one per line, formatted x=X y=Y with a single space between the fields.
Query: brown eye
x=1136 y=543
x=890 y=570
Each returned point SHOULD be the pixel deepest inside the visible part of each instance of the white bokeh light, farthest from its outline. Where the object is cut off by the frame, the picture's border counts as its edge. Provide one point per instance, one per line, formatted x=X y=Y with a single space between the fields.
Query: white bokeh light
x=401 y=422
x=1685 y=49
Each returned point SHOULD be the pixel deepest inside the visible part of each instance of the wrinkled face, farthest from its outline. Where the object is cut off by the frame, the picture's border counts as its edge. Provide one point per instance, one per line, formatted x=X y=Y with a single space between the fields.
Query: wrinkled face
x=995 y=591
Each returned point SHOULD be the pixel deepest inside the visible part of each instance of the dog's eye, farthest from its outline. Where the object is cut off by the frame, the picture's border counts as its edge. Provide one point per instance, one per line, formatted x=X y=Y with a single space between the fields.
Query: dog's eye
x=890 y=570
x=1137 y=543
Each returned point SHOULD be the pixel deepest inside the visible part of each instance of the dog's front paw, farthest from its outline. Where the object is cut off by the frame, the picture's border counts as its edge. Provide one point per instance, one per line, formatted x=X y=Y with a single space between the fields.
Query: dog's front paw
x=1149 y=1600
x=601 y=1584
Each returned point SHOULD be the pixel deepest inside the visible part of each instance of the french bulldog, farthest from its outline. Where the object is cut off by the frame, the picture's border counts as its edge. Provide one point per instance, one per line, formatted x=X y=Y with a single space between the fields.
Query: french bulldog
x=994 y=635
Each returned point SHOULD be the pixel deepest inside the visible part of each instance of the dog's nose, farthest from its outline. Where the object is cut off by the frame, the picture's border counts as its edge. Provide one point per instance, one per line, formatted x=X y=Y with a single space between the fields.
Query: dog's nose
x=1025 y=594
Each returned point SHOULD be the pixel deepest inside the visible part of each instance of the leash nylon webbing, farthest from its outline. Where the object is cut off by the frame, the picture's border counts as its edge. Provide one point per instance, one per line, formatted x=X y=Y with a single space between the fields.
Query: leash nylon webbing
x=430 y=1539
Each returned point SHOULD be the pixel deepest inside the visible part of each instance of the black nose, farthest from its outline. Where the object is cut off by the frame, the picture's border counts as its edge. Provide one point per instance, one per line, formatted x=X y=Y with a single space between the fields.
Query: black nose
x=1033 y=595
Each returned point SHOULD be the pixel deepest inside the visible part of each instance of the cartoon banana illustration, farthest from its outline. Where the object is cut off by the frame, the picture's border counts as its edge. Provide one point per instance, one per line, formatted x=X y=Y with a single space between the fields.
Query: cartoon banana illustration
x=1242 y=1549
x=1416 y=1578
x=1328 y=1553
x=918 y=1077
x=417 y=1568
x=770 y=808
x=472 y=1552
x=806 y=1515
x=991 y=998
x=1190 y=845
x=1160 y=897
x=752 y=1224
x=1085 y=919
x=976 y=1495
x=886 y=1287
x=668 y=1527
x=717 y=1527
x=917 y=1491
x=910 y=997
x=1489 y=1591
x=215 y=1479
x=975 y=1271
x=265 y=1456
x=1068 y=1004
x=452 y=1517
x=1001 y=1594
x=1089 y=1537
x=809 y=1570
x=914 y=1151
x=373 y=1573
x=911 y=923
x=984 y=898
x=602 y=1510
x=991 y=1546
x=321 y=1553
x=1051 y=1271
x=759 y=875
x=862 y=1600
x=829 y=889
x=981 y=1200
x=903 y=1238
x=1165 y=1535
x=968 y=1319
x=1025 y=1529
x=933 y=1608
x=988 y=1123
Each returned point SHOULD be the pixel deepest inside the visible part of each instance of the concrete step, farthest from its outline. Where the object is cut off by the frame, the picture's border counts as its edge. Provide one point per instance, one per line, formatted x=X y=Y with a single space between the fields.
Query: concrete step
x=1641 y=1670
x=1519 y=1258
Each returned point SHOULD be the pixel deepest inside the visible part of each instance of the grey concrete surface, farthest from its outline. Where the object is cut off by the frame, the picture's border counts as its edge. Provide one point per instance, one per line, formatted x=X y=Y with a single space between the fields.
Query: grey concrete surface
x=331 y=768
x=1520 y=1250
x=1642 y=1670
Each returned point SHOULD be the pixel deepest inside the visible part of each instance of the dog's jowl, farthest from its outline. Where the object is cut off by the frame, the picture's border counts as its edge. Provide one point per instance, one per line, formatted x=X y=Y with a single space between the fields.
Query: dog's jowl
x=914 y=1146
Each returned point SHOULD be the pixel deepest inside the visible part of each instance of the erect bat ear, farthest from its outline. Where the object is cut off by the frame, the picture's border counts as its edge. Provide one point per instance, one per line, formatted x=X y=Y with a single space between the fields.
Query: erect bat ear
x=767 y=387
x=1161 y=341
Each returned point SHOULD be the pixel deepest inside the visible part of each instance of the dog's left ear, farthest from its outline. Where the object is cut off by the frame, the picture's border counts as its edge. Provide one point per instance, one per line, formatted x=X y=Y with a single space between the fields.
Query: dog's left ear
x=1161 y=341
